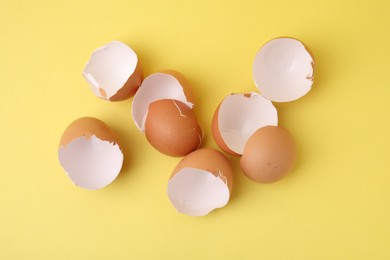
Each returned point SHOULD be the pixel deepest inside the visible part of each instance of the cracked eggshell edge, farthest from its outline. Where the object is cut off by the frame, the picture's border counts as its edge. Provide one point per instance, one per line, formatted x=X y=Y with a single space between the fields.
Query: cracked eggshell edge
x=175 y=87
x=258 y=120
x=106 y=66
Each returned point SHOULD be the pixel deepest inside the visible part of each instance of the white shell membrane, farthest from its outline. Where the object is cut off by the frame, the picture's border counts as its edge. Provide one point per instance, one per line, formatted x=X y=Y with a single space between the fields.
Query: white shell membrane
x=283 y=70
x=240 y=115
x=197 y=192
x=155 y=87
x=91 y=163
x=110 y=67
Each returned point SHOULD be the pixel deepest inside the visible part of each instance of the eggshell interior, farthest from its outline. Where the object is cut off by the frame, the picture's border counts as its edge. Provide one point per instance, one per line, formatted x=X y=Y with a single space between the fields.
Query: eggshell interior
x=91 y=163
x=239 y=116
x=197 y=192
x=201 y=182
x=283 y=70
x=157 y=86
x=90 y=153
x=113 y=71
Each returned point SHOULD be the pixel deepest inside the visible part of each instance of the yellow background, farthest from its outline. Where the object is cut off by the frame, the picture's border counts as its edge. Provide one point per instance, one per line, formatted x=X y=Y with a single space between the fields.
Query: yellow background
x=334 y=205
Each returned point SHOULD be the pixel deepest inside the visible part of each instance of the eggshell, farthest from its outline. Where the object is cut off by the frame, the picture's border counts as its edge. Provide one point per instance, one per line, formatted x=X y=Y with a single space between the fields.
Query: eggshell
x=172 y=128
x=283 y=70
x=200 y=183
x=113 y=72
x=90 y=153
x=167 y=84
x=269 y=154
x=238 y=117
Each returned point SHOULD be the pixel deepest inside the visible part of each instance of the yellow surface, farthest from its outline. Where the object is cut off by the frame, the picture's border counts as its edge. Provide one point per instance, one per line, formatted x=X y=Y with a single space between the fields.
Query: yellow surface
x=334 y=205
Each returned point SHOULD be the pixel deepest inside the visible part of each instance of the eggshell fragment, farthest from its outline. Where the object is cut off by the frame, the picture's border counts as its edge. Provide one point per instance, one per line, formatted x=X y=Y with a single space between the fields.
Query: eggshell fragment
x=268 y=155
x=238 y=117
x=283 y=70
x=200 y=183
x=172 y=128
x=113 y=72
x=162 y=85
x=90 y=153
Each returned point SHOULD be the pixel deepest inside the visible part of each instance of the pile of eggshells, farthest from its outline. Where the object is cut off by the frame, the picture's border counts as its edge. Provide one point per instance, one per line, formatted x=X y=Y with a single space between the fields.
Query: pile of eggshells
x=244 y=125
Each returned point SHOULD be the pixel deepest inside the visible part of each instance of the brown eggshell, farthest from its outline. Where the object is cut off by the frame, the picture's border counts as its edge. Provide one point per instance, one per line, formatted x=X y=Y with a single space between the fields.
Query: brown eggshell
x=209 y=160
x=269 y=154
x=88 y=126
x=172 y=128
x=217 y=133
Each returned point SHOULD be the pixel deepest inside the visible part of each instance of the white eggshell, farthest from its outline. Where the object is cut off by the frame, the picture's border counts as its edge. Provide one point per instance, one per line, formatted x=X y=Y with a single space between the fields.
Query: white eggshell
x=155 y=87
x=240 y=115
x=197 y=192
x=283 y=70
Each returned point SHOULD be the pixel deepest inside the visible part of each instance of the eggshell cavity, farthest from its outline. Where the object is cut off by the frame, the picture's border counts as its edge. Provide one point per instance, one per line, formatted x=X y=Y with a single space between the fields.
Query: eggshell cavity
x=90 y=153
x=200 y=183
x=238 y=117
x=283 y=70
x=172 y=128
x=113 y=71
x=157 y=86
x=269 y=154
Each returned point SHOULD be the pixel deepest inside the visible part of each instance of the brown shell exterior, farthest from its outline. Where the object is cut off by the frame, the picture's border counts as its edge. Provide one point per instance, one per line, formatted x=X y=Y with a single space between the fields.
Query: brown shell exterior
x=87 y=127
x=171 y=127
x=209 y=160
x=269 y=154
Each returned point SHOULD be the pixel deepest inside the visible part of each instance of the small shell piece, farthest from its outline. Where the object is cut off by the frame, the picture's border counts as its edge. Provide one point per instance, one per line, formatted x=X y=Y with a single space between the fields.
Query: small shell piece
x=269 y=154
x=200 y=183
x=283 y=70
x=238 y=117
x=113 y=72
x=167 y=84
x=90 y=153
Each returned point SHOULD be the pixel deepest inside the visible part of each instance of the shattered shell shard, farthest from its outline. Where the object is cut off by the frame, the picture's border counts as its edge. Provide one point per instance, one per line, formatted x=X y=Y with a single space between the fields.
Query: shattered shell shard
x=162 y=85
x=196 y=192
x=113 y=72
x=200 y=183
x=90 y=153
x=283 y=70
x=238 y=117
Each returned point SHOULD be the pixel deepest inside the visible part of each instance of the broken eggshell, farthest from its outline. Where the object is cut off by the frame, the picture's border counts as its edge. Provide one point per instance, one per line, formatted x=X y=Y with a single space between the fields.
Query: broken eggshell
x=283 y=70
x=238 y=117
x=268 y=155
x=172 y=128
x=168 y=84
x=90 y=153
x=163 y=109
x=200 y=183
x=113 y=71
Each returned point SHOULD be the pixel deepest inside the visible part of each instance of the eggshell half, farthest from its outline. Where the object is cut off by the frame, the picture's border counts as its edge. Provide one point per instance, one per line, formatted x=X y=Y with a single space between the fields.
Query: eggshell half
x=200 y=183
x=90 y=153
x=172 y=128
x=283 y=70
x=113 y=71
x=269 y=154
x=238 y=117
x=167 y=84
